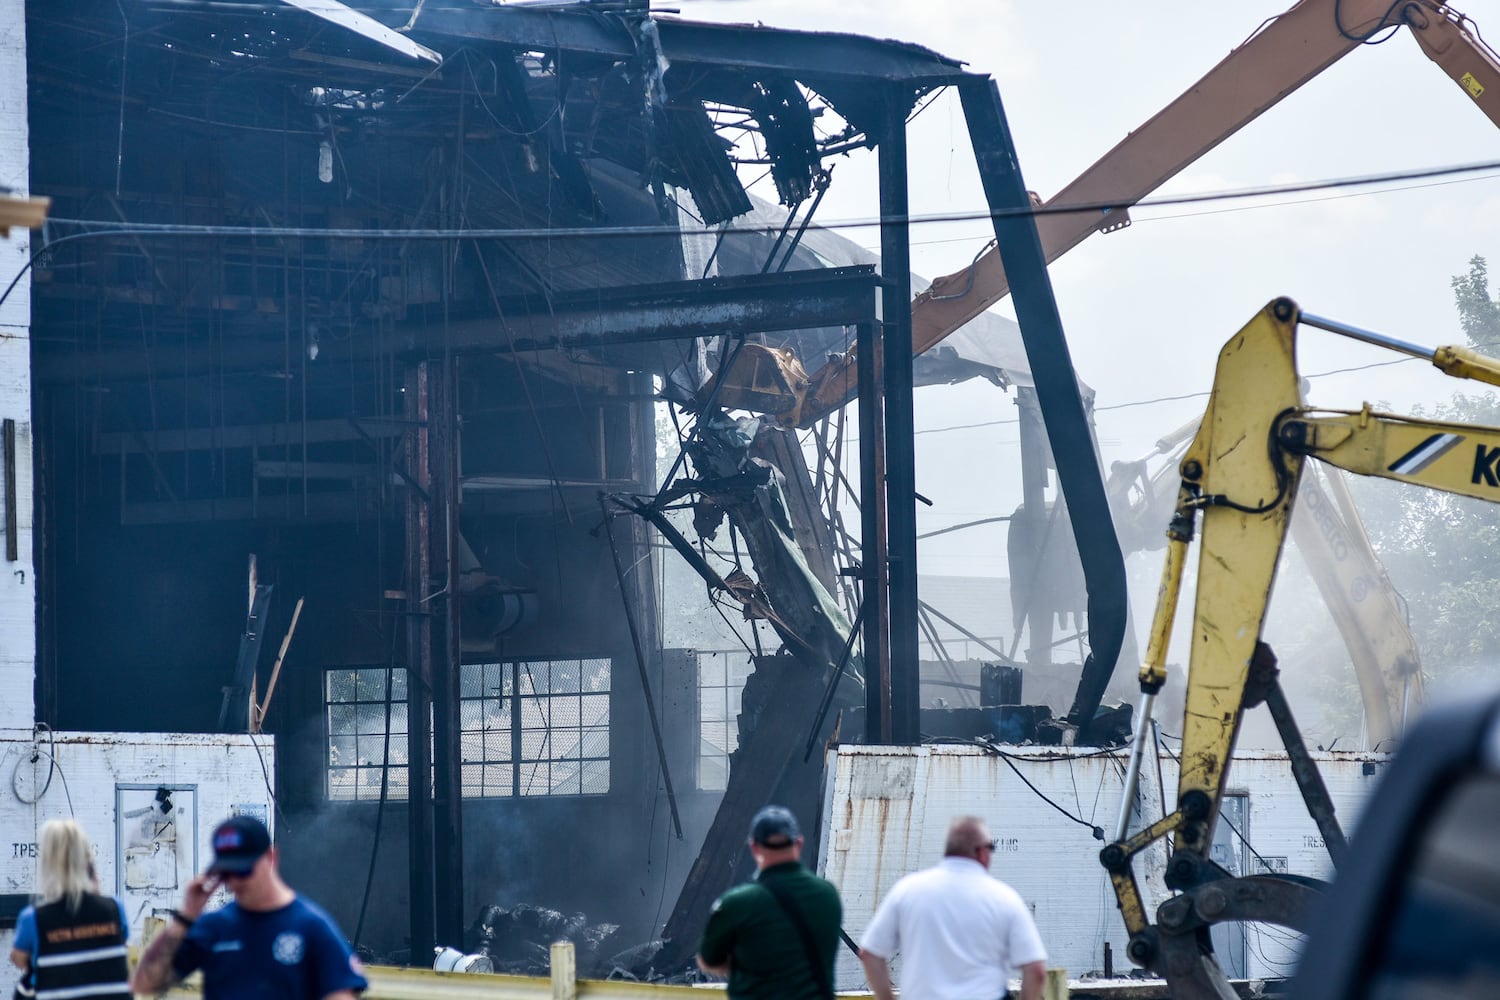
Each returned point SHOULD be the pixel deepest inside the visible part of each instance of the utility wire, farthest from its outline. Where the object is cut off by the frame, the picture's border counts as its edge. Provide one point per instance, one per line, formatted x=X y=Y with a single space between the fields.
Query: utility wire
x=1098 y=832
x=1162 y=399
x=1224 y=211
x=114 y=227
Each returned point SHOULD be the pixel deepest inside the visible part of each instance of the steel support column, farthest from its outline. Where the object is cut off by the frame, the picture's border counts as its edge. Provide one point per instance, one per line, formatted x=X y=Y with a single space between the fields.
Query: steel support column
x=900 y=440
x=877 y=651
x=418 y=667
x=447 y=793
x=1073 y=449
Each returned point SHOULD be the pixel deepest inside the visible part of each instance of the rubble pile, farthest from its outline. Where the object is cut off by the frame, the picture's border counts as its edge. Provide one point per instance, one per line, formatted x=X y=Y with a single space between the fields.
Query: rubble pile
x=518 y=941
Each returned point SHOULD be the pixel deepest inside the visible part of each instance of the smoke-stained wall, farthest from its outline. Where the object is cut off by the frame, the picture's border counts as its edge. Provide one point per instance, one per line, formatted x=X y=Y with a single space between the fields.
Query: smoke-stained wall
x=165 y=606
x=205 y=397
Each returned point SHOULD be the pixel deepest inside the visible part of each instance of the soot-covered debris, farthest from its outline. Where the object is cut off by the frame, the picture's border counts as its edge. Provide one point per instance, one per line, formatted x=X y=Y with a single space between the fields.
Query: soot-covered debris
x=518 y=940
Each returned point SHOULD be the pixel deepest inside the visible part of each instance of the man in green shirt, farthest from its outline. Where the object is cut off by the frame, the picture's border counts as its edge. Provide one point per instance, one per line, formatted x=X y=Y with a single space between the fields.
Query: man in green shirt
x=775 y=938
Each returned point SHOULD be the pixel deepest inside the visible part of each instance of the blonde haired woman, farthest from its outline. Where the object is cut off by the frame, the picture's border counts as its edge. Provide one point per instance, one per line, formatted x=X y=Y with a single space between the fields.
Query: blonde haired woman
x=72 y=943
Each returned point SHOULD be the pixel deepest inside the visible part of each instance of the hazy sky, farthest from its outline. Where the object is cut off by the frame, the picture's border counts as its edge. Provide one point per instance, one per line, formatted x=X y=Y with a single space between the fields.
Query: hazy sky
x=1146 y=309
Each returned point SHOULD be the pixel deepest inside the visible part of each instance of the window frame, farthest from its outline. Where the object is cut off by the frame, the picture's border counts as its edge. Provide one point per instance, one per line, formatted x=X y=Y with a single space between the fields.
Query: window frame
x=393 y=741
x=727 y=692
x=537 y=718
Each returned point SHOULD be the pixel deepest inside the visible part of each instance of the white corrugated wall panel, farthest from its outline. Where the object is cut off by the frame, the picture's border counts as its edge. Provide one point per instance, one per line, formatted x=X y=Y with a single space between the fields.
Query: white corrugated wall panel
x=101 y=779
x=887 y=811
x=17 y=579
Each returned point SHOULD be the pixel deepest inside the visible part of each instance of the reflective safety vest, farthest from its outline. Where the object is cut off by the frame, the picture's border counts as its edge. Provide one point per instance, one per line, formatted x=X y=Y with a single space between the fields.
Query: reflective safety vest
x=81 y=953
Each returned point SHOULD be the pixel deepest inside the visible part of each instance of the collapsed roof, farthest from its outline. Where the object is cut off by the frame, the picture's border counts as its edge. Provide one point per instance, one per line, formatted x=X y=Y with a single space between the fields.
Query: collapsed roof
x=567 y=121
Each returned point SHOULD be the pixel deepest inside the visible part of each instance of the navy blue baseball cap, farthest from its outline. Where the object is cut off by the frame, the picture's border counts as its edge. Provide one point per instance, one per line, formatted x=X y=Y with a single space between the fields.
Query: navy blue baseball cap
x=239 y=842
x=774 y=826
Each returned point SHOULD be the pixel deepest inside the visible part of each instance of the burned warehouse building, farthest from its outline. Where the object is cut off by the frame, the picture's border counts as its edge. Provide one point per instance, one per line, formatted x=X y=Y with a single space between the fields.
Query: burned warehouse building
x=403 y=376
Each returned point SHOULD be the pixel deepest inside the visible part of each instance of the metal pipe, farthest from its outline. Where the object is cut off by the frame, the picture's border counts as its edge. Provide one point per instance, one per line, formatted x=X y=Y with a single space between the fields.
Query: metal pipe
x=1133 y=769
x=966 y=524
x=1153 y=670
x=1368 y=336
x=964 y=632
x=822 y=185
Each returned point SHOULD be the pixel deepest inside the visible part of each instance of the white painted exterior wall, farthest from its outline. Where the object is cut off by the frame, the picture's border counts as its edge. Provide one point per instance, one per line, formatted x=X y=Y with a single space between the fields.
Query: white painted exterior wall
x=17 y=579
x=886 y=813
x=105 y=780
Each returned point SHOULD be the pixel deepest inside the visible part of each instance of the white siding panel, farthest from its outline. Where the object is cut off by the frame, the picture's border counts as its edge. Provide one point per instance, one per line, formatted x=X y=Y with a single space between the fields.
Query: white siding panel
x=888 y=810
x=223 y=773
x=17 y=579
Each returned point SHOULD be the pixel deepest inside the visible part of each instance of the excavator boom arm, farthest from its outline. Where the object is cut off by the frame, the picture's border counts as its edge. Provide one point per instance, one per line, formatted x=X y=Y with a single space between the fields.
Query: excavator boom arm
x=1451 y=457
x=1449 y=40
x=1245 y=494
x=1275 y=61
x=1241 y=476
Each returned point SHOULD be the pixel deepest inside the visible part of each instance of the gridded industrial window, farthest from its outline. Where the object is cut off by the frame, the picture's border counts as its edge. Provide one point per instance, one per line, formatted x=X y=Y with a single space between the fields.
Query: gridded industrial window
x=357 y=700
x=721 y=679
x=535 y=727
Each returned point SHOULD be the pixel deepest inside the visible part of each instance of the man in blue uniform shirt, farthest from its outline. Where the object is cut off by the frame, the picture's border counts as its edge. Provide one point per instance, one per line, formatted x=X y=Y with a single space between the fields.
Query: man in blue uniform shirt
x=269 y=942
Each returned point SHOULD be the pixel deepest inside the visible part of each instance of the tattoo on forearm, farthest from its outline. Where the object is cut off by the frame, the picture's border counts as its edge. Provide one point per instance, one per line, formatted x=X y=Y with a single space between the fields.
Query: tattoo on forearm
x=155 y=969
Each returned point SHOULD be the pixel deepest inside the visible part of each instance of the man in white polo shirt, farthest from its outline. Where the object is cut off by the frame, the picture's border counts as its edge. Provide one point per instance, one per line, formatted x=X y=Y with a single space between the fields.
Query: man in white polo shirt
x=960 y=932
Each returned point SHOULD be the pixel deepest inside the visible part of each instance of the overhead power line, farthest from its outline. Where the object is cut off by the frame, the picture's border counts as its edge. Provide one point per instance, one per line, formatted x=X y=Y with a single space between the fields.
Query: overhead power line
x=113 y=227
x=1158 y=399
x=106 y=228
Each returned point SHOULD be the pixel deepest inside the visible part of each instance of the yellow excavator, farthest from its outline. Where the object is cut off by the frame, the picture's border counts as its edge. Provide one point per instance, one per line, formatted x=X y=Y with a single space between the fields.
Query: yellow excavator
x=1239 y=479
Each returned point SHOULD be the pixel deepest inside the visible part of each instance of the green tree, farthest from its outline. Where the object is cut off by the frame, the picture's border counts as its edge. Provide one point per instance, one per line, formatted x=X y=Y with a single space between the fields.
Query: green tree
x=1478 y=314
x=1442 y=554
x=1443 y=551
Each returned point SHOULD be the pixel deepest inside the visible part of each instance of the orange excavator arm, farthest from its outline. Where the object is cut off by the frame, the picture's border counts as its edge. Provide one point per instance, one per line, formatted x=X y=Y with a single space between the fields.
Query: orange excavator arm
x=1280 y=57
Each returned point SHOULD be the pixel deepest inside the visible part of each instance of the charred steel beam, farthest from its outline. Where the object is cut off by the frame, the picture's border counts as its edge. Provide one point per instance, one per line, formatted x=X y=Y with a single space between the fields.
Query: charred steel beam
x=419 y=670
x=447 y=656
x=776 y=50
x=245 y=436
x=795 y=300
x=1056 y=383
x=900 y=441
x=877 y=650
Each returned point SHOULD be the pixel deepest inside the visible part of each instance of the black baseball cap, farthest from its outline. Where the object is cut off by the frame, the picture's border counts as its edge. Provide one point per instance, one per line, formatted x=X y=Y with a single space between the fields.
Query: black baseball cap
x=774 y=826
x=239 y=842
